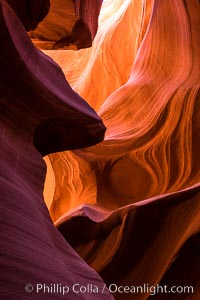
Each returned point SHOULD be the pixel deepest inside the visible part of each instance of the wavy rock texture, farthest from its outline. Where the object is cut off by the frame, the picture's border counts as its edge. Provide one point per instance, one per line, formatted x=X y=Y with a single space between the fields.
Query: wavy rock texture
x=130 y=205
x=38 y=110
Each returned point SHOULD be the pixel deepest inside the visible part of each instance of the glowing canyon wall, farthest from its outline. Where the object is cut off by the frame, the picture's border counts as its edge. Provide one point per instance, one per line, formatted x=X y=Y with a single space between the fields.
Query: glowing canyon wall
x=128 y=202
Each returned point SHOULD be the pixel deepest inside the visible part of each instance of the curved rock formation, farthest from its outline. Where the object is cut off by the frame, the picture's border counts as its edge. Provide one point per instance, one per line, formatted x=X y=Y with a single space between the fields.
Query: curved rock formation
x=38 y=107
x=69 y=24
x=141 y=243
x=129 y=206
x=142 y=75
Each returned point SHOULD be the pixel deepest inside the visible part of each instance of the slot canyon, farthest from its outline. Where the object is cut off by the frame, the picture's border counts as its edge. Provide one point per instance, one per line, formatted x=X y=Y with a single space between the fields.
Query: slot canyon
x=100 y=149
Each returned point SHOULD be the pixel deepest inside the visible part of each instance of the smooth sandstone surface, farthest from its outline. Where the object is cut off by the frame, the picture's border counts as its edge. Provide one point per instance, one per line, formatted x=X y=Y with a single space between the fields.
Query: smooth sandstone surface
x=40 y=114
x=129 y=207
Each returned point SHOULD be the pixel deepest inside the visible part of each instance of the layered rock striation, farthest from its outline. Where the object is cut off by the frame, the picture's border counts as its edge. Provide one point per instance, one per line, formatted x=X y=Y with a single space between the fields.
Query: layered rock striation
x=137 y=193
x=128 y=206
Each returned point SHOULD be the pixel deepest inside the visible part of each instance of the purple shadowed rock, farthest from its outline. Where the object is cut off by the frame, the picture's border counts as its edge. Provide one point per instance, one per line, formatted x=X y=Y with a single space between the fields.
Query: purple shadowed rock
x=38 y=107
x=30 y=12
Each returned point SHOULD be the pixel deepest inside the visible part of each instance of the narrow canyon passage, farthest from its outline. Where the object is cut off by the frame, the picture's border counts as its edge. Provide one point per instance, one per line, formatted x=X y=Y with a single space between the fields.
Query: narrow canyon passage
x=100 y=139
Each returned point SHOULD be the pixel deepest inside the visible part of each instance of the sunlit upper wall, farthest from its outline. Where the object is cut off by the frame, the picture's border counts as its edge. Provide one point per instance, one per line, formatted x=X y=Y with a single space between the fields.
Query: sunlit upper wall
x=111 y=7
x=111 y=55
